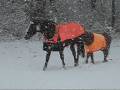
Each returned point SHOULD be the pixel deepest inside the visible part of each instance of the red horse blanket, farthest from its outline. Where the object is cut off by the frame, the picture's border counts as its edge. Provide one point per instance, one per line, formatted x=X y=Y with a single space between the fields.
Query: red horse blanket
x=98 y=44
x=67 y=31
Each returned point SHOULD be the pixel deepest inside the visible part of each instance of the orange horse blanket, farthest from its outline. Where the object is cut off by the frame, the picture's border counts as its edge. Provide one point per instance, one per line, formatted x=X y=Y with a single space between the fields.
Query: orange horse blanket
x=67 y=31
x=98 y=44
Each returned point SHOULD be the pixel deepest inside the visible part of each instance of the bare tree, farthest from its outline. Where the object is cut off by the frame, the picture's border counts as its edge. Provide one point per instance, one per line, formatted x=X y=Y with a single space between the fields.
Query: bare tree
x=113 y=14
x=93 y=3
x=35 y=9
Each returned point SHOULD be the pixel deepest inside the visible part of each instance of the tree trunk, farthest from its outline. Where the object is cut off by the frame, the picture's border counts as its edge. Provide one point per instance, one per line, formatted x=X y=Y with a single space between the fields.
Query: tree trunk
x=93 y=3
x=113 y=14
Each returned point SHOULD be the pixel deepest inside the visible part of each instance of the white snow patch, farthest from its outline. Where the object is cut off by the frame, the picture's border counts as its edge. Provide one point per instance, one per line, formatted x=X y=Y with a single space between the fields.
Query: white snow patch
x=21 y=64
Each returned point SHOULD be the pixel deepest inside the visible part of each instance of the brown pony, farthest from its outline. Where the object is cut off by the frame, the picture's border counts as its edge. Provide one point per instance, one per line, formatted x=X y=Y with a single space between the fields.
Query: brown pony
x=96 y=42
x=57 y=37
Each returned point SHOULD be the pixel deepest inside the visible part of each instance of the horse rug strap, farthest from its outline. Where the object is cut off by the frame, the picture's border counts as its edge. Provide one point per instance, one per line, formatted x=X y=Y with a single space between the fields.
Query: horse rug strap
x=51 y=45
x=99 y=43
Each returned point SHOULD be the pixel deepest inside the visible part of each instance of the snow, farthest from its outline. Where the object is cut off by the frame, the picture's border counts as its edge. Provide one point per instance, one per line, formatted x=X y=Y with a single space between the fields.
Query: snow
x=21 y=64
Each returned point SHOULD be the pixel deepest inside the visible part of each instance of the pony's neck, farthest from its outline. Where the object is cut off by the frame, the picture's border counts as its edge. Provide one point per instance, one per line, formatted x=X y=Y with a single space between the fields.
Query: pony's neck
x=49 y=36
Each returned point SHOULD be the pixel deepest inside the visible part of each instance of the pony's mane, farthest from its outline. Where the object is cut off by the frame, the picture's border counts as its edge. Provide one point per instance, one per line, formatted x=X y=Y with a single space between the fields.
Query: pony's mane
x=48 y=28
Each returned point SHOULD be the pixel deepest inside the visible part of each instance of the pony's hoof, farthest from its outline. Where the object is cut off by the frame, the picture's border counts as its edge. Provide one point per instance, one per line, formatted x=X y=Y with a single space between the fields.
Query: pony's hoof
x=93 y=62
x=105 y=61
x=86 y=62
x=44 y=68
x=64 y=67
x=76 y=64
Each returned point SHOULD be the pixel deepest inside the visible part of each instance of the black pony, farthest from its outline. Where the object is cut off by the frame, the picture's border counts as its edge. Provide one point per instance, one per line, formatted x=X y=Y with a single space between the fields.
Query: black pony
x=47 y=28
x=95 y=42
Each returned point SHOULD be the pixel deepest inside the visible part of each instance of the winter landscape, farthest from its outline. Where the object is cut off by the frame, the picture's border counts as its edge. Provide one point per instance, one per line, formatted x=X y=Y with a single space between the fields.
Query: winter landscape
x=22 y=61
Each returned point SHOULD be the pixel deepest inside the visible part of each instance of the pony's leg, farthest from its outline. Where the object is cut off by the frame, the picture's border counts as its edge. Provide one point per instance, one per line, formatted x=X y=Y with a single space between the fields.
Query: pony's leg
x=78 y=53
x=105 y=52
x=74 y=55
x=62 y=58
x=108 y=42
x=80 y=50
x=88 y=55
x=47 y=59
x=92 y=58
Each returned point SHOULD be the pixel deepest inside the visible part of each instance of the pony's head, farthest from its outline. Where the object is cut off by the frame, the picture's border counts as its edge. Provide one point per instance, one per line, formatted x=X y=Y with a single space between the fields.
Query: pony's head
x=46 y=27
x=87 y=38
x=32 y=30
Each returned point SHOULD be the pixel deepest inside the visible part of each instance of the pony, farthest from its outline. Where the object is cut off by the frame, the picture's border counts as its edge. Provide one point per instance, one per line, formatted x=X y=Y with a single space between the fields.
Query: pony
x=55 y=40
x=96 y=42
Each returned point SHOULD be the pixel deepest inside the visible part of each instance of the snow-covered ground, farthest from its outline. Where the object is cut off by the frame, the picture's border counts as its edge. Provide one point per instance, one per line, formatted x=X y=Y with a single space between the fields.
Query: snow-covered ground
x=21 y=64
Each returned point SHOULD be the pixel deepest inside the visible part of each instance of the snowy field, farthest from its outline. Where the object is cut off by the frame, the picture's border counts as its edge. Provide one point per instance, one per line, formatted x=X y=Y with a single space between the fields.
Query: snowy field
x=21 y=64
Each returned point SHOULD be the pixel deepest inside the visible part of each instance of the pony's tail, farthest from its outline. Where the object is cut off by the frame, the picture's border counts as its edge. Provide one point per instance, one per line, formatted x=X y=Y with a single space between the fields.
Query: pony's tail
x=108 y=39
x=107 y=34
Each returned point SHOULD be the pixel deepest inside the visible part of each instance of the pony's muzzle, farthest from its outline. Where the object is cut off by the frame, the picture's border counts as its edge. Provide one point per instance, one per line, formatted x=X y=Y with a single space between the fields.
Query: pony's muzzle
x=26 y=37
